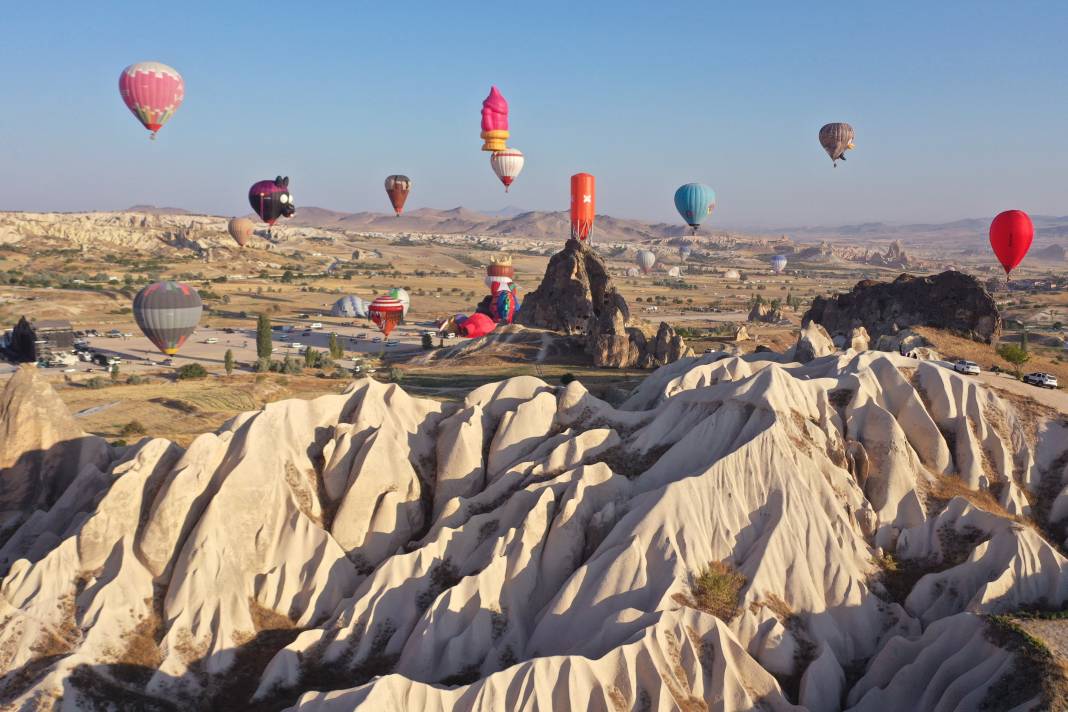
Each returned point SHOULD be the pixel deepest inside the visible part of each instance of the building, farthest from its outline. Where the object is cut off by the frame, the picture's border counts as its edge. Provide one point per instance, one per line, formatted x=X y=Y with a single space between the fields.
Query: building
x=30 y=341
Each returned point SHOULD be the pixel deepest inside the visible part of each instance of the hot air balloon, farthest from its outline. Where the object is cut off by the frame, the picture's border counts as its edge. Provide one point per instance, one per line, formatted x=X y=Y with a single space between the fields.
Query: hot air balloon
x=397 y=188
x=836 y=139
x=695 y=202
x=494 y=122
x=583 y=205
x=675 y=271
x=386 y=313
x=504 y=303
x=241 y=230
x=153 y=92
x=499 y=271
x=350 y=306
x=167 y=313
x=684 y=252
x=778 y=264
x=1011 y=234
x=645 y=260
x=271 y=199
x=401 y=295
x=507 y=164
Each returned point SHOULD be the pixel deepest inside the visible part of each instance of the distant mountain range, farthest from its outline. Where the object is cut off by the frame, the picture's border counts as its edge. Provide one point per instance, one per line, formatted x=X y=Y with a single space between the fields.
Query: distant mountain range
x=549 y=225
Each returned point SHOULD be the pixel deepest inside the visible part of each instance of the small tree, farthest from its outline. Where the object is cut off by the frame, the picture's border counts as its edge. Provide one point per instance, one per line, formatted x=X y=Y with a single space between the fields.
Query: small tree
x=428 y=341
x=228 y=362
x=1015 y=355
x=334 y=347
x=1023 y=339
x=263 y=336
x=311 y=357
x=114 y=373
x=190 y=371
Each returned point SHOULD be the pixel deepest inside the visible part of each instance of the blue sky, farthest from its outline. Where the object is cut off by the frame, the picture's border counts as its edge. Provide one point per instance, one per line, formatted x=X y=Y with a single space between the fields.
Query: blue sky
x=960 y=108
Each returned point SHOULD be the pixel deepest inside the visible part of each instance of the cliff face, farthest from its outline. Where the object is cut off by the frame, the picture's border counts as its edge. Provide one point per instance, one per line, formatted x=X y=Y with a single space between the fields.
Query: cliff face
x=533 y=547
x=951 y=300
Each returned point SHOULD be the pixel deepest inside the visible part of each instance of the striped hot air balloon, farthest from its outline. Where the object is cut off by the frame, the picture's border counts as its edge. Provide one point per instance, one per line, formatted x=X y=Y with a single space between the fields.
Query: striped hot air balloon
x=386 y=313
x=778 y=264
x=507 y=164
x=167 y=313
x=836 y=139
x=645 y=260
x=397 y=188
x=153 y=92
x=401 y=295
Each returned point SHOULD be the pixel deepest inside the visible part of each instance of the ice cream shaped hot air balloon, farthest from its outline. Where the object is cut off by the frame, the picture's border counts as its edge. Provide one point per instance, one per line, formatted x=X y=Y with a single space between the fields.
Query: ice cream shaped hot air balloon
x=153 y=92
x=167 y=313
x=494 y=121
x=499 y=271
x=507 y=164
x=270 y=199
x=386 y=313
x=397 y=188
x=583 y=205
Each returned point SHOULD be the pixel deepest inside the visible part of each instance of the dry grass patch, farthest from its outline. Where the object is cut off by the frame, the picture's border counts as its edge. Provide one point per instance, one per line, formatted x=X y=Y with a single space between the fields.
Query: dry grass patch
x=716 y=590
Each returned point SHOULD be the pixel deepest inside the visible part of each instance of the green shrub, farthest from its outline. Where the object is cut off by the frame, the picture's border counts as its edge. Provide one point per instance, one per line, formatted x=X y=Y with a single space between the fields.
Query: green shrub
x=717 y=590
x=134 y=427
x=190 y=371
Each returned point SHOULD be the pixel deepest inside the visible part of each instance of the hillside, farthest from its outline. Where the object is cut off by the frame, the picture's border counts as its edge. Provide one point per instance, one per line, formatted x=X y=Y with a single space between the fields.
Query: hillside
x=741 y=532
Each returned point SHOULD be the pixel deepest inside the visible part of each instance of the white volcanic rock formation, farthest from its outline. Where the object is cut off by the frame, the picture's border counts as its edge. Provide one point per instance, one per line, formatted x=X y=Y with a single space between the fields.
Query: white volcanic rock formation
x=532 y=547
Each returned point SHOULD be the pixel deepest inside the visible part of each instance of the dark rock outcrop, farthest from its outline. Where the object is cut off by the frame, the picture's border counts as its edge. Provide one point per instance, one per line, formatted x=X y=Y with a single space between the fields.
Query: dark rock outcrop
x=571 y=292
x=951 y=300
x=765 y=313
x=576 y=296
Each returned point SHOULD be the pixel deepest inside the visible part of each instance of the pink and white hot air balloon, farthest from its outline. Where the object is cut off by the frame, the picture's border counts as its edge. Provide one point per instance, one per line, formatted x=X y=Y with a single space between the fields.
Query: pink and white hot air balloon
x=507 y=164
x=153 y=92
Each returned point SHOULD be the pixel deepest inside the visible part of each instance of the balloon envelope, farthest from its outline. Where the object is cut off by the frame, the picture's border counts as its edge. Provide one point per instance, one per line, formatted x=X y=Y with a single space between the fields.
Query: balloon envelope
x=505 y=303
x=778 y=263
x=350 y=306
x=685 y=251
x=386 y=313
x=583 y=205
x=1011 y=234
x=836 y=139
x=401 y=295
x=507 y=164
x=397 y=188
x=153 y=92
x=695 y=202
x=645 y=260
x=241 y=230
x=167 y=313
x=270 y=199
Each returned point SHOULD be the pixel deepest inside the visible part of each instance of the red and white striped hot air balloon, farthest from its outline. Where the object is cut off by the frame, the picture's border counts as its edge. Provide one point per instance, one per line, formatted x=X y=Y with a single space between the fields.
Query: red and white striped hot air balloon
x=386 y=313
x=507 y=164
x=153 y=92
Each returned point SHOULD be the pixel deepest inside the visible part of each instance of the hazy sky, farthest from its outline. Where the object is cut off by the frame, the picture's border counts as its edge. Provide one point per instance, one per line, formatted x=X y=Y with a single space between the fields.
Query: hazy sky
x=960 y=108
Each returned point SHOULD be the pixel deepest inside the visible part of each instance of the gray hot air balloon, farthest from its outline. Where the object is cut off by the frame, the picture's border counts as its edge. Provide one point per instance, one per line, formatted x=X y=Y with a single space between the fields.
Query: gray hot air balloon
x=778 y=264
x=350 y=306
x=645 y=260
x=836 y=139
x=167 y=313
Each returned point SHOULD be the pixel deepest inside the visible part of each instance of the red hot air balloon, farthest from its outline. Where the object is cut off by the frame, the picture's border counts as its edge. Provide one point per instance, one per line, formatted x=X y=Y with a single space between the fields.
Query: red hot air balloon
x=153 y=92
x=583 y=205
x=386 y=313
x=1011 y=234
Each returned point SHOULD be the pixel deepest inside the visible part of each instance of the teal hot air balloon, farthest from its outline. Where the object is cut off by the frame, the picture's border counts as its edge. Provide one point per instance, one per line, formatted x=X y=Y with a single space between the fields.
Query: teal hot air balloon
x=695 y=202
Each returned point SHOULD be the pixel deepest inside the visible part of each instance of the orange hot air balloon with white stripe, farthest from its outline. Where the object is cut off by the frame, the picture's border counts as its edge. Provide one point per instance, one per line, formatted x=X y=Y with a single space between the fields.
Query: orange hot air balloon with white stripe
x=583 y=205
x=507 y=164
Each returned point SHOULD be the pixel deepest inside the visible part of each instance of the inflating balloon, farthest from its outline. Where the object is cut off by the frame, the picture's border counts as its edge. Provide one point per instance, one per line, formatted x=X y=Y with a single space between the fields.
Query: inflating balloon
x=401 y=295
x=386 y=313
x=153 y=92
x=350 y=306
x=645 y=260
x=695 y=202
x=494 y=122
x=778 y=264
x=241 y=230
x=397 y=188
x=1011 y=234
x=583 y=205
x=499 y=270
x=836 y=139
x=167 y=313
x=507 y=164
x=504 y=303
x=270 y=199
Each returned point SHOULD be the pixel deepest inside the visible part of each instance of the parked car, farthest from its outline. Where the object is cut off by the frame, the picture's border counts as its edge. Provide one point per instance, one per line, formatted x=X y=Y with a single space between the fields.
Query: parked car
x=228 y=330
x=211 y=340
x=317 y=325
x=376 y=340
x=1042 y=380
x=114 y=334
x=167 y=362
x=967 y=367
x=105 y=360
x=297 y=345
